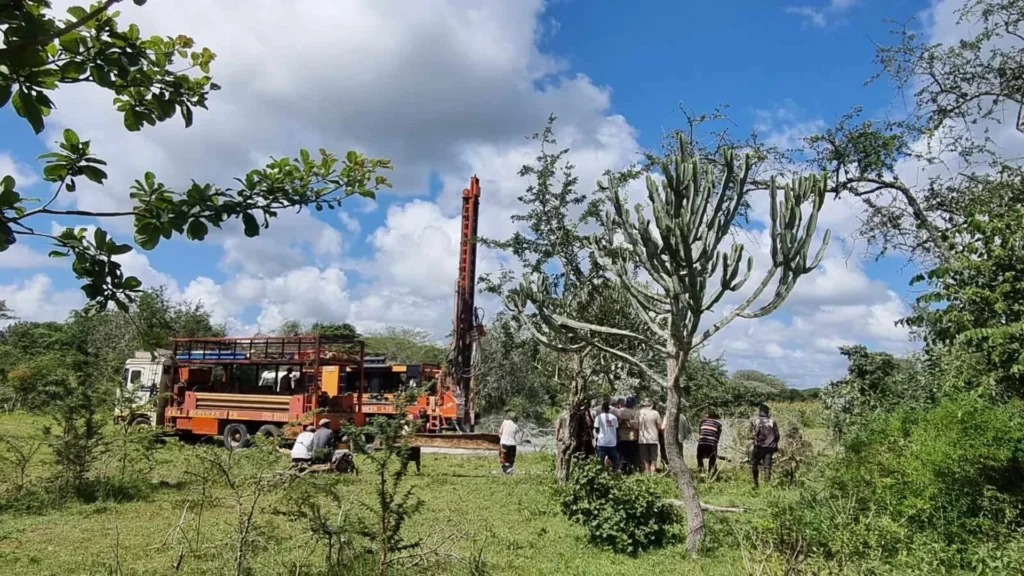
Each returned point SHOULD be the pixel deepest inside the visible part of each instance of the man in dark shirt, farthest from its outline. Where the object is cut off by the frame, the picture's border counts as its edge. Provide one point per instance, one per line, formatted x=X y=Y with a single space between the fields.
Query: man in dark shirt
x=323 y=441
x=707 y=444
x=765 y=434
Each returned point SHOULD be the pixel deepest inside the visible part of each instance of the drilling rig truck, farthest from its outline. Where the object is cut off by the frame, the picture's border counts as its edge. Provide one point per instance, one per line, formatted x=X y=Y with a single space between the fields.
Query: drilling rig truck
x=237 y=388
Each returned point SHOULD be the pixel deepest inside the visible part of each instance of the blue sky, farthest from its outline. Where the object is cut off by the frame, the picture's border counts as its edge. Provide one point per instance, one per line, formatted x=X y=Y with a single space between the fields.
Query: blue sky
x=452 y=90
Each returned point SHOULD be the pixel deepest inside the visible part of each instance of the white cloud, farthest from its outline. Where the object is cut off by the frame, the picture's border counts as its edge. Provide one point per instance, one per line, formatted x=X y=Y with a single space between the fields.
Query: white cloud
x=449 y=87
x=23 y=174
x=36 y=299
x=823 y=15
x=22 y=256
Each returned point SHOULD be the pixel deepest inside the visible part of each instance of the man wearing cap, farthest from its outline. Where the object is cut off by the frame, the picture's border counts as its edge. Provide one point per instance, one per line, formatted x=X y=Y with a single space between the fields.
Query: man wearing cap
x=323 y=441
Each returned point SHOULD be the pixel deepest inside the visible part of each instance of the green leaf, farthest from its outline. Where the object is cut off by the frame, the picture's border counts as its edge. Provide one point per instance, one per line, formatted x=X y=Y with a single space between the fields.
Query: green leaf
x=58 y=254
x=9 y=198
x=131 y=283
x=197 y=230
x=77 y=12
x=252 y=228
x=73 y=70
x=70 y=137
x=99 y=237
x=93 y=173
x=71 y=43
x=119 y=249
x=5 y=94
x=147 y=235
x=132 y=120
x=123 y=307
x=7 y=183
x=27 y=108
x=54 y=172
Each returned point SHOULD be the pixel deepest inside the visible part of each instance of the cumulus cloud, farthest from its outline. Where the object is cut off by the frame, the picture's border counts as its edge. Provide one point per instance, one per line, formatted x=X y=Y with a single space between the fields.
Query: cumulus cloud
x=23 y=174
x=22 y=256
x=448 y=88
x=821 y=16
x=36 y=299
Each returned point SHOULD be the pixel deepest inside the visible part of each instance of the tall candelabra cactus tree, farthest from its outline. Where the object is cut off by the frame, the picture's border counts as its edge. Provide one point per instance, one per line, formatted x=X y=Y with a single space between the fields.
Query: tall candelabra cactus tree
x=682 y=251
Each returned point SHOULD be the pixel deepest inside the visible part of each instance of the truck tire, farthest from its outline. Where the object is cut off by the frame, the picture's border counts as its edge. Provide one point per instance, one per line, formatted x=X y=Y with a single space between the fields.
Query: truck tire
x=269 y=430
x=140 y=423
x=236 y=437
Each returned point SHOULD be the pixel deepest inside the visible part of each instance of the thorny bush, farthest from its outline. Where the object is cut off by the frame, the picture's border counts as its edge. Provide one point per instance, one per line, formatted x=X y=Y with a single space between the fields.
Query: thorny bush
x=623 y=513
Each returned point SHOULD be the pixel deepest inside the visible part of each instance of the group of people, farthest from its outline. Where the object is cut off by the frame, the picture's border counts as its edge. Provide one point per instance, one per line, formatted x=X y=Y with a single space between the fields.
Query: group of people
x=314 y=445
x=628 y=440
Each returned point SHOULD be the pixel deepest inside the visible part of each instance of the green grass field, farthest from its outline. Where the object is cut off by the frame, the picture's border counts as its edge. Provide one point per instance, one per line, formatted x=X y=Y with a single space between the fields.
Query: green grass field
x=514 y=521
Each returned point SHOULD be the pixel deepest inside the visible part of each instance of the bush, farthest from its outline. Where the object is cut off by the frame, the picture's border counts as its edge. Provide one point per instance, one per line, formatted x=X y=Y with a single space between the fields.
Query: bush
x=624 y=514
x=934 y=483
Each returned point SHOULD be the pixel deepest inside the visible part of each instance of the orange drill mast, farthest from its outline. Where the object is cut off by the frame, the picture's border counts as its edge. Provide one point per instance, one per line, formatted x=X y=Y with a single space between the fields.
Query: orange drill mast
x=467 y=326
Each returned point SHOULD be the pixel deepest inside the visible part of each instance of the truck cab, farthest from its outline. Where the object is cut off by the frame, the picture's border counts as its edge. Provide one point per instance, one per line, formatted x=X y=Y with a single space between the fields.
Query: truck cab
x=145 y=383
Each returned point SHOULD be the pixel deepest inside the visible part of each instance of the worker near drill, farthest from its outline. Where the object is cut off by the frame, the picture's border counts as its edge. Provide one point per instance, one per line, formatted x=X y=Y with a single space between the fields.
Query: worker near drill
x=509 y=435
x=323 y=441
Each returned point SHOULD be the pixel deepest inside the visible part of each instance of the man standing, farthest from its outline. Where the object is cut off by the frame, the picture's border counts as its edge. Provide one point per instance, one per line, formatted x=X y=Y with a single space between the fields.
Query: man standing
x=648 y=424
x=509 y=433
x=707 y=444
x=607 y=426
x=765 y=434
x=323 y=441
x=627 y=433
x=412 y=425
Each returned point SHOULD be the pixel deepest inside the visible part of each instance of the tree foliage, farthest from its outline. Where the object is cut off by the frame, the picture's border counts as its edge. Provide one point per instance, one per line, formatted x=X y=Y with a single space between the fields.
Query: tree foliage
x=876 y=383
x=405 y=345
x=35 y=356
x=974 y=300
x=42 y=51
x=553 y=246
x=681 y=249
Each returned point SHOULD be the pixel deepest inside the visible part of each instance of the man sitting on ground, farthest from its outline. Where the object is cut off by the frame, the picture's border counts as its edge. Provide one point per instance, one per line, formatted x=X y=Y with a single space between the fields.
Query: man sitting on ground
x=302 y=450
x=323 y=441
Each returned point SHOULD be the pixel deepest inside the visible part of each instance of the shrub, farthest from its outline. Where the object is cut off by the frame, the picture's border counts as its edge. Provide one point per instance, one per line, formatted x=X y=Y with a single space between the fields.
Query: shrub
x=932 y=483
x=624 y=514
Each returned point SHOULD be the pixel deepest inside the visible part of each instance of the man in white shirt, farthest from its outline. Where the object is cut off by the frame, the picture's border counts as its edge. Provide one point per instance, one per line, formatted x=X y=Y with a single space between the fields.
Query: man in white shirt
x=509 y=433
x=302 y=450
x=607 y=426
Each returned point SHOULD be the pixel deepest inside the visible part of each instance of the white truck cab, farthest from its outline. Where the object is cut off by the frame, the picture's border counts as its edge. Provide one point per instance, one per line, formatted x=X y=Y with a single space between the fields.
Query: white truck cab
x=144 y=387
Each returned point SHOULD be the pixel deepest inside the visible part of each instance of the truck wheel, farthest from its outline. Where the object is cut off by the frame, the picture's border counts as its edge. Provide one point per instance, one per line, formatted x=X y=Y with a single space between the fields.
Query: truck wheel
x=269 y=431
x=236 y=436
x=140 y=424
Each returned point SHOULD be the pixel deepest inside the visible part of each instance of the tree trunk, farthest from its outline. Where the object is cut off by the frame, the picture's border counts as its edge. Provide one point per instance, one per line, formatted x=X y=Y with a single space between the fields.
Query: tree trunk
x=674 y=450
x=566 y=443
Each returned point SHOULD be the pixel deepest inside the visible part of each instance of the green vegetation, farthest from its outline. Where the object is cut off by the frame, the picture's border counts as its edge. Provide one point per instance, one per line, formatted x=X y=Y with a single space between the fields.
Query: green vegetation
x=42 y=51
x=907 y=465
x=513 y=522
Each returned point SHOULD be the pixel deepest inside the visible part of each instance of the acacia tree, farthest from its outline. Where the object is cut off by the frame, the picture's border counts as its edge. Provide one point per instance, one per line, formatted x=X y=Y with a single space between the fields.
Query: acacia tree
x=694 y=210
x=554 y=246
x=958 y=94
x=150 y=83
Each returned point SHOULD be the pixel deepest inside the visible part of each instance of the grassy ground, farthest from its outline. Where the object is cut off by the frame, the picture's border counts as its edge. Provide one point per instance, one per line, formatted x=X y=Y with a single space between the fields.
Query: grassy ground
x=513 y=521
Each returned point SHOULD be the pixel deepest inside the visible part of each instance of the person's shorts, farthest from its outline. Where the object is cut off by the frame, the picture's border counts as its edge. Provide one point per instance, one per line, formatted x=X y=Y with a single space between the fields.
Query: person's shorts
x=610 y=452
x=649 y=454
